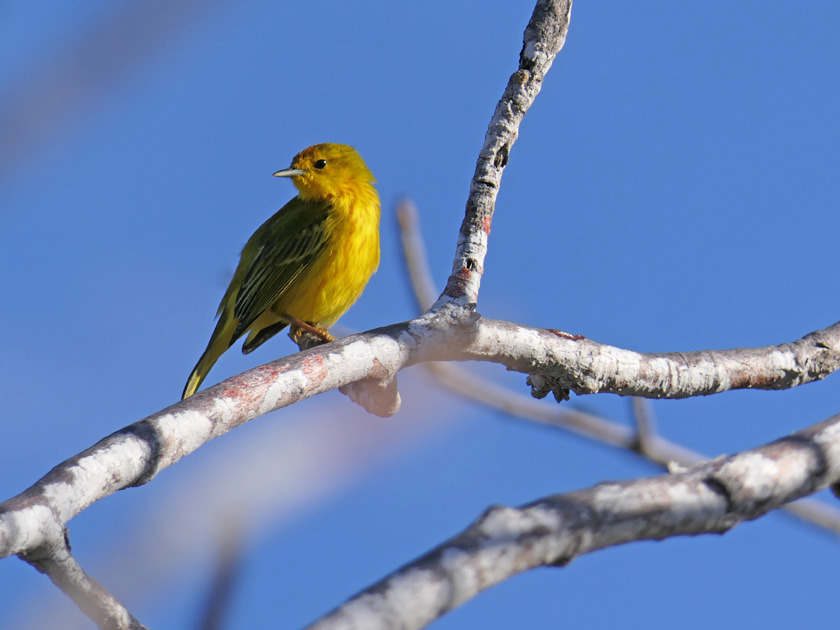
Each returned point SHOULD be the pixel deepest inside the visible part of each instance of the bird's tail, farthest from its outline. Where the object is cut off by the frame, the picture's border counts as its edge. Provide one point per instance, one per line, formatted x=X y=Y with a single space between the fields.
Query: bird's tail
x=196 y=378
x=221 y=340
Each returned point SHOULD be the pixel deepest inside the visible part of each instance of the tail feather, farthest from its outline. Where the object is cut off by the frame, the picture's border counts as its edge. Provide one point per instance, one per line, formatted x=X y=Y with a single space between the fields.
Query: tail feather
x=200 y=371
x=194 y=381
x=221 y=340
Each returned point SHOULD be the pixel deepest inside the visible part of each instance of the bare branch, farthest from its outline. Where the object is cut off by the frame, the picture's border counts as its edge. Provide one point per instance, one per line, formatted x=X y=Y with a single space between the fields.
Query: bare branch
x=708 y=499
x=276 y=475
x=55 y=560
x=544 y=37
x=464 y=382
x=560 y=363
x=137 y=453
x=57 y=91
x=221 y=590
x=414 y=253
x=645 y=426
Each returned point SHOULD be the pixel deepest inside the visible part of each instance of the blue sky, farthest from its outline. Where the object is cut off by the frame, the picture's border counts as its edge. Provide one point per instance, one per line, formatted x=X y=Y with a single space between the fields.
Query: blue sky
x=673 y=188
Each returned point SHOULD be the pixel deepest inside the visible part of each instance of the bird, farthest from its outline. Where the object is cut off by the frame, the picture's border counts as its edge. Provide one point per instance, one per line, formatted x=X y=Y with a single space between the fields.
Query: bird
x=308 y=263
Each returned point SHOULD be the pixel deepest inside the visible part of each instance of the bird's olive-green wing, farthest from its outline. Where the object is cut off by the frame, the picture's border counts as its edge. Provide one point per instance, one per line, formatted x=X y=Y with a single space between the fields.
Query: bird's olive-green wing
x=278 y=252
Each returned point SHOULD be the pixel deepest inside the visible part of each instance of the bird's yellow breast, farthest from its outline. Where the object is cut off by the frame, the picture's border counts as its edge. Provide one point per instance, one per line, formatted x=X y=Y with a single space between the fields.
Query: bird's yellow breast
x=336 y=279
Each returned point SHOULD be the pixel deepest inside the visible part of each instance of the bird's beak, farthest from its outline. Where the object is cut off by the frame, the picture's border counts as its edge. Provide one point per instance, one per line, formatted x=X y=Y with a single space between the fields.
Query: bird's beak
x=289 y=172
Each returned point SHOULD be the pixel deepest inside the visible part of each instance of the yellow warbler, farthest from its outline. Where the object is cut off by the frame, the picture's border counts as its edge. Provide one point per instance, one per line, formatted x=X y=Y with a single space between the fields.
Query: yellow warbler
x=308 y=263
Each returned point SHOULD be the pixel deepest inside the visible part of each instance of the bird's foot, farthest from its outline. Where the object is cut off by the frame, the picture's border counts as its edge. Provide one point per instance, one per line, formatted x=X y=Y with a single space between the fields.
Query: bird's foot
x=299 y=328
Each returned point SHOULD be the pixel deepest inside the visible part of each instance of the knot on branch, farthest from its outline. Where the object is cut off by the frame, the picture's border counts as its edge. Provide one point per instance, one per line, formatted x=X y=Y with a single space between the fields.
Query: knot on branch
x=381 y=397
x=542 y=385
x=502 y=156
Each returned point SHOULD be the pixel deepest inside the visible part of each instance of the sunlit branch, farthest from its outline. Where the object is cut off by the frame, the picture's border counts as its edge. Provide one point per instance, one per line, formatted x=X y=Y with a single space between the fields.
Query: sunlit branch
x=543 y=38
x=707 y=499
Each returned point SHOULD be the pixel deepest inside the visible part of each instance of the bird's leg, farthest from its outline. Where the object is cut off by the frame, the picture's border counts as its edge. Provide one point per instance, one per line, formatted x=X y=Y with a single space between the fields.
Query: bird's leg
x=298 y=326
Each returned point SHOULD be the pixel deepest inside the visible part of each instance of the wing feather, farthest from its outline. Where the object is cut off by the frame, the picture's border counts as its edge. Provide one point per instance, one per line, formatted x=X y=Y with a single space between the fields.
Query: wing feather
x=283 y=248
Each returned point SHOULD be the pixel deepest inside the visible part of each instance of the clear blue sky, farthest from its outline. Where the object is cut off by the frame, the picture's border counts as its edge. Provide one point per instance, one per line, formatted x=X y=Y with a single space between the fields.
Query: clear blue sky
x=673 y=188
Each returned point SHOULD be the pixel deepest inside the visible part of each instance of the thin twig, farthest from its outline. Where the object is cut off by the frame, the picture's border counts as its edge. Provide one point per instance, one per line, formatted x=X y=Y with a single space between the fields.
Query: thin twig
x=54 y=559
x=645 y=426
x=414 y=254
x=657 y=450
x=55 y=92
x=220 y=593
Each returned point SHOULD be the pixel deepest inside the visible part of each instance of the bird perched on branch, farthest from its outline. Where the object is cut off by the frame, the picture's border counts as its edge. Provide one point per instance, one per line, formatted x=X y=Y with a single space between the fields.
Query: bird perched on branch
x=308 y=263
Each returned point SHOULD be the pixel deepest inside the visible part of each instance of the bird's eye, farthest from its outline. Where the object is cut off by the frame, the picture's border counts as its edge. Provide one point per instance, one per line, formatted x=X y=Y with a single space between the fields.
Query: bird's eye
x=319 y=164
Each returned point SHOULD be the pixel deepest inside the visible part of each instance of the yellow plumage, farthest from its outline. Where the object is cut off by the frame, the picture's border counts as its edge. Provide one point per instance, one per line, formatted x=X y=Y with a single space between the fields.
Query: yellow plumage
x=309 y=262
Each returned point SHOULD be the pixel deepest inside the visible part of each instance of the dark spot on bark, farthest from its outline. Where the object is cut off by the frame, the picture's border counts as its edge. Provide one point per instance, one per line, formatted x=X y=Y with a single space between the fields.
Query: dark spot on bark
x=565 y=335
x=718 y=487
x=502 y=155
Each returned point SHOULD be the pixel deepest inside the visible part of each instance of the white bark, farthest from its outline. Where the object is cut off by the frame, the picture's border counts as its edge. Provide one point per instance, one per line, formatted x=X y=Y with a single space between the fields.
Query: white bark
x=544 y=37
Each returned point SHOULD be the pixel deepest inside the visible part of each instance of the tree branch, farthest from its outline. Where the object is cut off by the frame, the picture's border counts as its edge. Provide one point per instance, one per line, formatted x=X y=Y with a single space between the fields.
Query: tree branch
x=414 y=255
x=544 y=37
x=135 y=454
x=708 y=499
x=560 y=363
x=54 y=559
x=56 y=92
x=220 y=595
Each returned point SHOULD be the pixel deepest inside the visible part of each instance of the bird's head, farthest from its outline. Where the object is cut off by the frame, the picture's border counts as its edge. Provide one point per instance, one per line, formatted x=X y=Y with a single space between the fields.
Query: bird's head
x=327 y=170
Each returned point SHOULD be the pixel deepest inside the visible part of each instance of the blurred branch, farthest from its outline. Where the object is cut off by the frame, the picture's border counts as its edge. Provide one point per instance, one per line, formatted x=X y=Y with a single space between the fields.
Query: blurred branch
x=414 y=254
x=645 y=426
x=652 y=447
x=477 y=389
x=51 y=96
x=220 y=594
